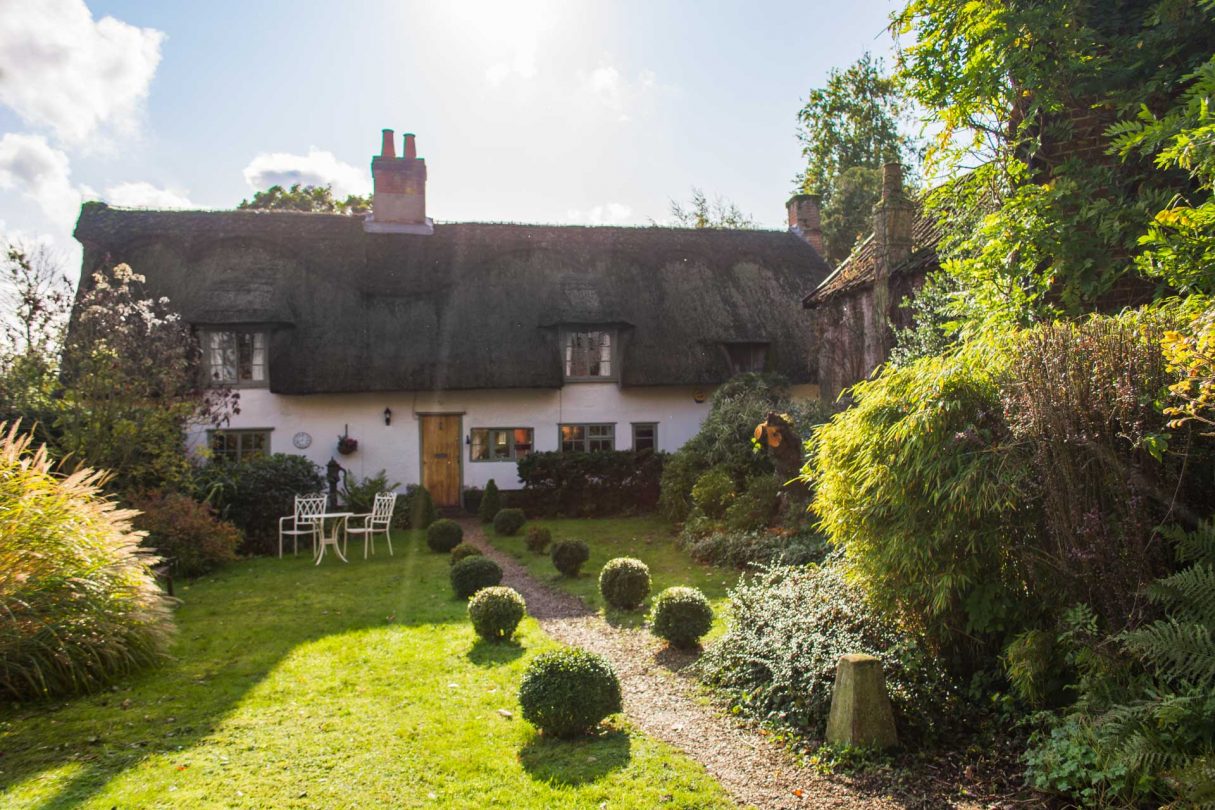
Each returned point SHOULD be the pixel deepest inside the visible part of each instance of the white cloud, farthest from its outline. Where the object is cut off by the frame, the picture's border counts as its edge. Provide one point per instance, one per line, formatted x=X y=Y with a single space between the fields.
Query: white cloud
x=145 y=195
x=608 y=214
x=607 y=87
x=522 y=63
x=32 y=166
x=317 y=168
x=61 y=69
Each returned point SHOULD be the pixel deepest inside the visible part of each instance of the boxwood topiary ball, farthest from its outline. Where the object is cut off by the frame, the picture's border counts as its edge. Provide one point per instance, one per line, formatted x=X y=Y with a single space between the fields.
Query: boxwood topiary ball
x=565 y=693
x=569 y=555
x=538 y=539
x=496 y=612
x=681 y=616
x=472 y=574
x=624 y=582
x=463 y=551
x=444 y=535
x=509 y=521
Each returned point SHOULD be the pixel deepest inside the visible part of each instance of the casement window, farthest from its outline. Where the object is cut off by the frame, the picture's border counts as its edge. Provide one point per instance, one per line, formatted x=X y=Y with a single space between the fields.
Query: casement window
x=645 y=436
x=235 y=358
x=589 y=355
x=587 y=438
x=238 y=445
x=499 y=444
x=747 y=357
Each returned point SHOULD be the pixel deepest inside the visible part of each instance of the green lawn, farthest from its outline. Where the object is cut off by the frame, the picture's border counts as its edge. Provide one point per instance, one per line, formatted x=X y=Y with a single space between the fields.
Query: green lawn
x=355 y=685
x=648 y=539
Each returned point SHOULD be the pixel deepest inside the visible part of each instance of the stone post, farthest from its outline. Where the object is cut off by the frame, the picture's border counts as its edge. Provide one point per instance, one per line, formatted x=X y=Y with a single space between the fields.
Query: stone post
x=860 y=708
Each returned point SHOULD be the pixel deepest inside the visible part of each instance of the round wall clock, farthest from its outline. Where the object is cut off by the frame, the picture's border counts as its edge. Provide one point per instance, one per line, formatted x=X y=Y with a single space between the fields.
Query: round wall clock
x=302 y=440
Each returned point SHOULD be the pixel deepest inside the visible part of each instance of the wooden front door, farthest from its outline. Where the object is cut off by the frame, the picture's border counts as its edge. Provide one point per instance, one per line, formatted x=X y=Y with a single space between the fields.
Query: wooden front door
x=441 y=447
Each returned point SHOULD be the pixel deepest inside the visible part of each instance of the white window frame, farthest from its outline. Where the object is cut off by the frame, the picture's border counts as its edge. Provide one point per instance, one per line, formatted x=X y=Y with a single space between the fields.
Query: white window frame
x=488 y=443
x=240 y=434
x=222 y=350
x=605 y=431
x=590 y=350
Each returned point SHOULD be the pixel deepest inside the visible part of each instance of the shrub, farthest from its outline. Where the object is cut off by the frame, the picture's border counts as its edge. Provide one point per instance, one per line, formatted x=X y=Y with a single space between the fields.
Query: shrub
x=566 y=693
x=681 y=616
x=538 y=539
x=444 y=535
x=754 y=508
x=788 y=629
x=569 y=555
x=80 y=602
x=675 y=488
x=713 y=492
x=471 y=500
x=254 y=494
x=422 y=509
x=495 y=612
x=748 y=548
x=508 y=522
x=359 y=497
x=187 y=531
x=491 y=503
x=591 y=484
x=462 y=551
x=624 y=582
x=472 y=574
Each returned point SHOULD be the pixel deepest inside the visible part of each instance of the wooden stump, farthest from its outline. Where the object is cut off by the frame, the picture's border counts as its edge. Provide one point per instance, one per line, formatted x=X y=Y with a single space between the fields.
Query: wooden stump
x=860 y=708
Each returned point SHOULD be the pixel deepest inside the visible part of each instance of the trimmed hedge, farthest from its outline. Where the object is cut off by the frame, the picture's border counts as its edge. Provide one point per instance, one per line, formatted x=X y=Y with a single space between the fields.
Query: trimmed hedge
x=474 y=573
x=508 y=522
x=566 y=693
x=681 y=616
x=592 y=484
x=464 y=551
x=569 y=555
x=625 y=583
x=496 y=611
x=444 y=535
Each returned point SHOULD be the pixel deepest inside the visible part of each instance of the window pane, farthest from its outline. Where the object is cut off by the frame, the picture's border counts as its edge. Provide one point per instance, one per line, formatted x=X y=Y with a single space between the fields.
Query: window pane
x=601 y=437
x=499 y=445
x=252 y=445
x=523 y=442
x=480 y=440
x=257 y=366
x=573 y=438
x=645 y=437
x=588 y=354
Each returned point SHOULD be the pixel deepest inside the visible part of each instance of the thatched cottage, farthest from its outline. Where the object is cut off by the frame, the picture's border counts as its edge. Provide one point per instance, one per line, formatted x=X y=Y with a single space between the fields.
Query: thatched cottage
x=451 y=350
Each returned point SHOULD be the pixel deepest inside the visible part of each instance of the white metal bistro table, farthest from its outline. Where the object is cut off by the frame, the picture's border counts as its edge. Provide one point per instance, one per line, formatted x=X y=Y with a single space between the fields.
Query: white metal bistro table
x=336 y=531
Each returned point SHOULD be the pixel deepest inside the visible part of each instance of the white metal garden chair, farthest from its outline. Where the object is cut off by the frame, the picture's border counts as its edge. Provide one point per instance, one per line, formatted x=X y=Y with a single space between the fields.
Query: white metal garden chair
x=303 y=521
x=380 y=520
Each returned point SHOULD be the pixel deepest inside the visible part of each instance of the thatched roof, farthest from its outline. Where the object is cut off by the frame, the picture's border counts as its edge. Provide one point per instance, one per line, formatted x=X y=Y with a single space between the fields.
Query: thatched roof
x=860 y=268
x=473 y=305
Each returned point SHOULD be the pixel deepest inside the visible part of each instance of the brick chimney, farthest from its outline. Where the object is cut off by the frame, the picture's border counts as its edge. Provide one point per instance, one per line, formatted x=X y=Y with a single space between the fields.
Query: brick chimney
x=892 y=221
x=398 y=203
x=804 y=219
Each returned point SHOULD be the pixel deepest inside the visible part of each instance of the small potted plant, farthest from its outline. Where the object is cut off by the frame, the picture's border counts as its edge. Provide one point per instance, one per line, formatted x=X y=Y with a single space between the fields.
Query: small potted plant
x=346 y=444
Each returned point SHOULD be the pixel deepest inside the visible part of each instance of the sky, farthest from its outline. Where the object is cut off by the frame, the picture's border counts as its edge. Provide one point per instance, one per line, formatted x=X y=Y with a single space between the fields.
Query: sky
x=554 y=111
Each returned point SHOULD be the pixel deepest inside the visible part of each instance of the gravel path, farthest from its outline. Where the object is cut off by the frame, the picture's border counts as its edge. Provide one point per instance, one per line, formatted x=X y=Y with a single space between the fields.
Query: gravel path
x=662 y=702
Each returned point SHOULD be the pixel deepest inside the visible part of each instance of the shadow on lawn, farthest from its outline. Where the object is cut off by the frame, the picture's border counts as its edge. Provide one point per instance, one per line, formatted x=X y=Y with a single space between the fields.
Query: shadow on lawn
x=576 y=762
x=234 y=628
x=494 y=653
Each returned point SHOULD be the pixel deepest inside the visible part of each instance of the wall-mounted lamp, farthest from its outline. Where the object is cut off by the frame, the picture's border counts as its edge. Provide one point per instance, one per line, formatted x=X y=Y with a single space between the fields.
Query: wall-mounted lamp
x=388 y=416
x=468 y=439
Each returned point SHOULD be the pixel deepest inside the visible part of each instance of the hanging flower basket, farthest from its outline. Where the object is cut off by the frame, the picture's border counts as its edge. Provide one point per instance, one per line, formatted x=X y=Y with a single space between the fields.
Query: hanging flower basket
x=347 y=445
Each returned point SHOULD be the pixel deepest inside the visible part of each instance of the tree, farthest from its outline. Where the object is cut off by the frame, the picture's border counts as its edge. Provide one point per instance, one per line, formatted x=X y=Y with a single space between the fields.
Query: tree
x=704 y=213
x=35 y=300
x=314 y=199
x=849 y=128
x=1040 y=220
x=132 y=386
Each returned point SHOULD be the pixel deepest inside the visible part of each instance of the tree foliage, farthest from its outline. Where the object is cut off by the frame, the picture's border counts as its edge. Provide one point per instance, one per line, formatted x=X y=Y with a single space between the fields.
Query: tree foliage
x=1039 y=221
x=848 y=129
x=312 y=199
x=701 y=212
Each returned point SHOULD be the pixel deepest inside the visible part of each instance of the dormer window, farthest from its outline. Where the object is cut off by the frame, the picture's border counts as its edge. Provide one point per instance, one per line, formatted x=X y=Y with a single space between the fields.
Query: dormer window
x=747 y=357
x=589 y=355
x=234 y=357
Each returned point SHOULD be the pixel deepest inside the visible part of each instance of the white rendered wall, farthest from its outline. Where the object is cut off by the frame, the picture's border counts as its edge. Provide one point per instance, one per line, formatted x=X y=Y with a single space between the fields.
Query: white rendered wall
x=395 y=448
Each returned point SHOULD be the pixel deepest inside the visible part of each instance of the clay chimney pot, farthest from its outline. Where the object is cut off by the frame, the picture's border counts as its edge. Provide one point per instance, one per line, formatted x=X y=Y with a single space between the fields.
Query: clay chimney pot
x=388 y=147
